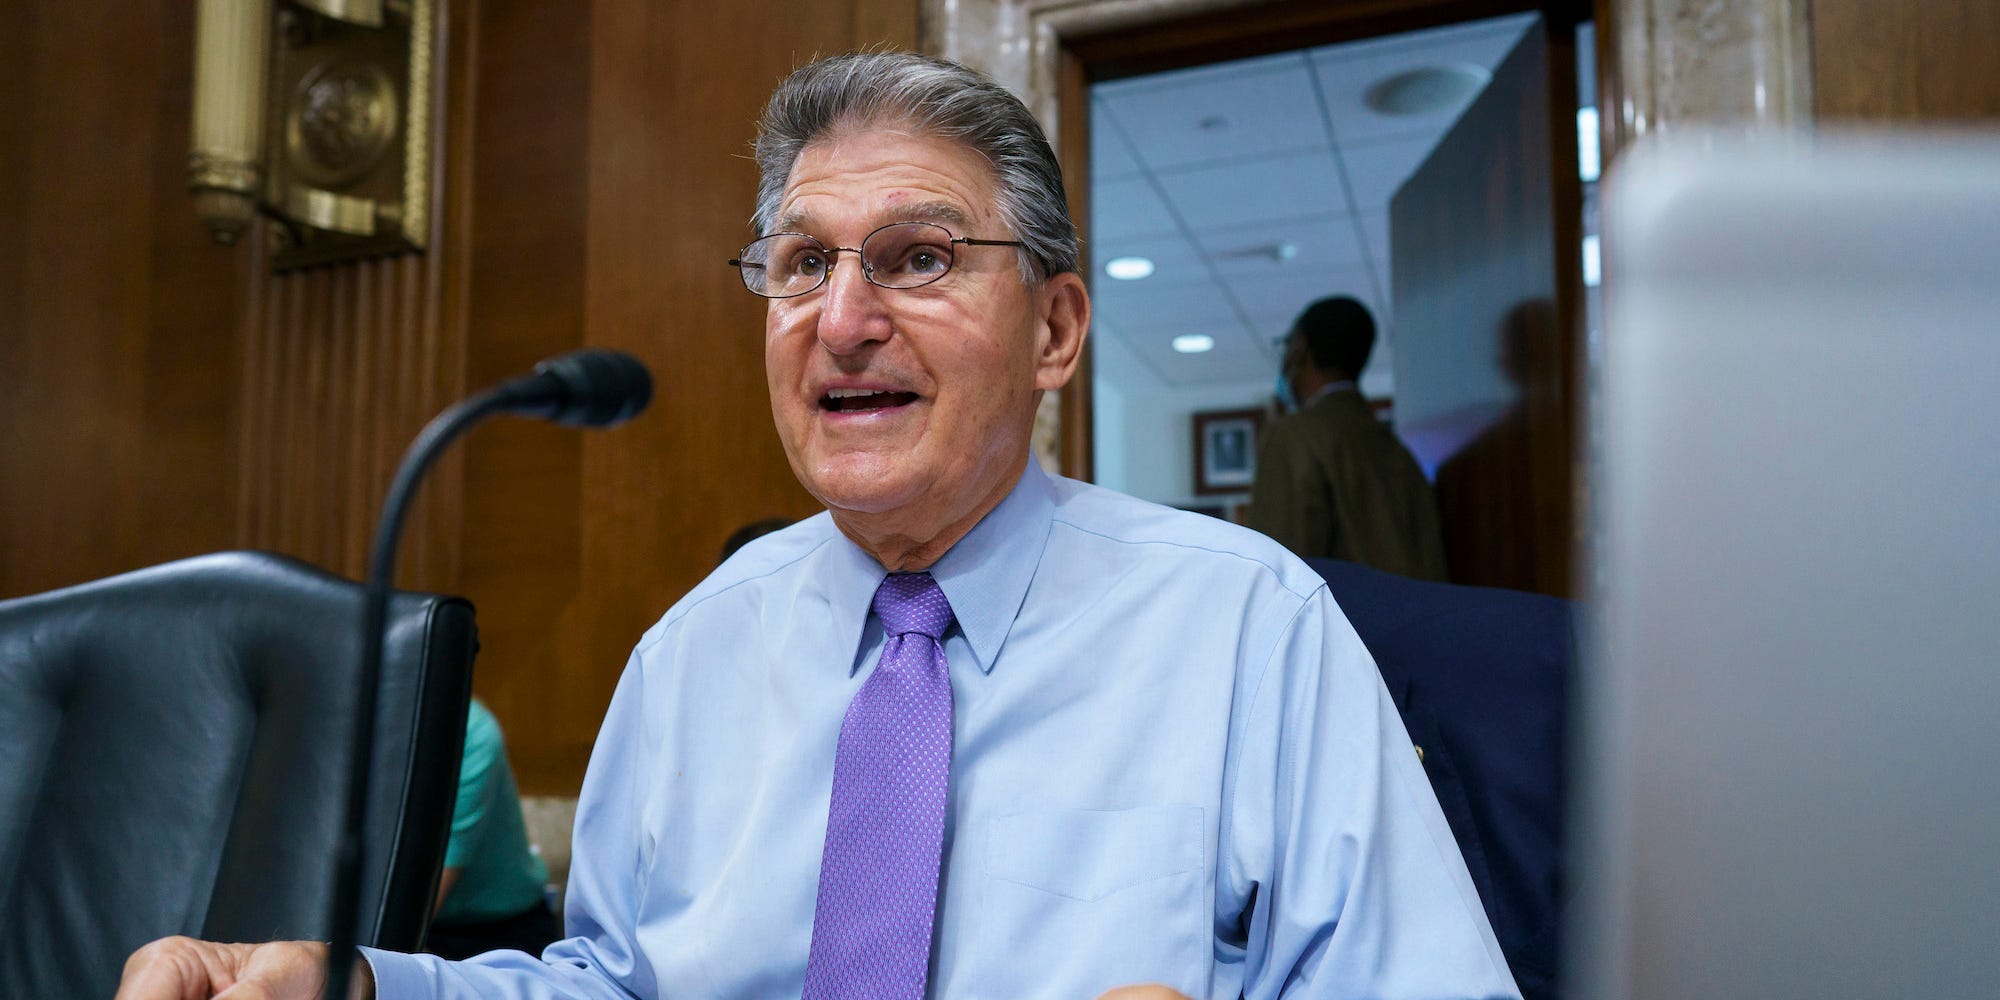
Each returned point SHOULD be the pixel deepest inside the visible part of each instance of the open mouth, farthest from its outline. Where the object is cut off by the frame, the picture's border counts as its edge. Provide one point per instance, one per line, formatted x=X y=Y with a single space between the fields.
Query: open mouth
x=855 y=400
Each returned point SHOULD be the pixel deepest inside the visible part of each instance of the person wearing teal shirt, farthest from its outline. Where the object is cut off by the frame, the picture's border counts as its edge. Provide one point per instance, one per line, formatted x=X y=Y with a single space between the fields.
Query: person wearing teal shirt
x=491 y=896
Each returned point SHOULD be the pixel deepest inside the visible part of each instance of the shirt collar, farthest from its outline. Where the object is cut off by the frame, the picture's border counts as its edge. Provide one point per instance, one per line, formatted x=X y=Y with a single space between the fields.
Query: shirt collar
x=1330 y=388
x=985 y=576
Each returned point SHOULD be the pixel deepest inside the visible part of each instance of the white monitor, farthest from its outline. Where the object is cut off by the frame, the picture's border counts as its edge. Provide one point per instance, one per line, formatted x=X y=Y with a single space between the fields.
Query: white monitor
x=1789 y=749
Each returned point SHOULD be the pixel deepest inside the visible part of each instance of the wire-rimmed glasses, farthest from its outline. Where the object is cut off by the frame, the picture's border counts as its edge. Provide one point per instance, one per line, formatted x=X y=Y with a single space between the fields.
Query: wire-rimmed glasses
x=898 y=255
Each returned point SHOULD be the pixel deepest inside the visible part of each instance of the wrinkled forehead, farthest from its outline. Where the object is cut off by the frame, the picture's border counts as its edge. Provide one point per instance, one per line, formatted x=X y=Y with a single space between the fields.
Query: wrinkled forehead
x=800 y=218
x=879 y=175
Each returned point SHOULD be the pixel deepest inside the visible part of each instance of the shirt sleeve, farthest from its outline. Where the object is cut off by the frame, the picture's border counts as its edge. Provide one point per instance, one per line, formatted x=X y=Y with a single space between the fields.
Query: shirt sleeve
x=601 y=959
x=1356 y=887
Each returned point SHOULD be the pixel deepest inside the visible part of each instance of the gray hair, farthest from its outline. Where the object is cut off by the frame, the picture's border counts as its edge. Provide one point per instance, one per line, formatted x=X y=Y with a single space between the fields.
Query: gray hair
x=936 y=98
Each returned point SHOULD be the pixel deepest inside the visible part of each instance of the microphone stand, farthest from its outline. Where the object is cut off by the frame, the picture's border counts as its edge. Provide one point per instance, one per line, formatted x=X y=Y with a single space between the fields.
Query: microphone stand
x=436 y=435
x=586 y=388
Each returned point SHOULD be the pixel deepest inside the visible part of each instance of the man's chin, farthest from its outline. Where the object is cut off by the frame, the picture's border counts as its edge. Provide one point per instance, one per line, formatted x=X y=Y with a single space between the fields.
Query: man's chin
x=862 y=491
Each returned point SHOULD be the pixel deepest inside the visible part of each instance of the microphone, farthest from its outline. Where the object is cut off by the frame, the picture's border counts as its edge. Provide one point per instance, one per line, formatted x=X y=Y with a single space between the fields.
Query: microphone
x=590 y=388
x=587 y=388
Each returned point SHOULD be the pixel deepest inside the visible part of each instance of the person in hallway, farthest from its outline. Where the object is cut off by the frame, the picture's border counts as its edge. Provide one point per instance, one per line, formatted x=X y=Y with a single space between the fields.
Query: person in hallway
x=1332 y=481
x=492 y=892
x=975 y=729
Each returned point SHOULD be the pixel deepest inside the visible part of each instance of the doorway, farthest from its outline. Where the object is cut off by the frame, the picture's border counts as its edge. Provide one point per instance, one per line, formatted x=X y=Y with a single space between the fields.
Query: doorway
x=1125 y=98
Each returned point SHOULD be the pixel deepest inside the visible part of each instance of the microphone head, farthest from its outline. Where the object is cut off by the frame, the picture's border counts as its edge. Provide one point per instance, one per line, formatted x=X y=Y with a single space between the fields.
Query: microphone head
x=589 y=388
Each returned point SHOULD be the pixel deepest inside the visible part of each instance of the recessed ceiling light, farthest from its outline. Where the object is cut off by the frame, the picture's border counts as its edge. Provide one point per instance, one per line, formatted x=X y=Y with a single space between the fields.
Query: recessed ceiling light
x=1129 y=268
x=1194 y=343
x=1426 y=90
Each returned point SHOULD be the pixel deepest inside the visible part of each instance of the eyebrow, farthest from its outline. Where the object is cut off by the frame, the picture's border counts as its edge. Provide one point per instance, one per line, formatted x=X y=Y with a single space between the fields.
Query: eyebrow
x=923 y=211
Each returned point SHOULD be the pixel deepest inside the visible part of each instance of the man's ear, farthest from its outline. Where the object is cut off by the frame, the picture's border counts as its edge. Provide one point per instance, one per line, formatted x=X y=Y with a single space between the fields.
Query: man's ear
x=1065 y=321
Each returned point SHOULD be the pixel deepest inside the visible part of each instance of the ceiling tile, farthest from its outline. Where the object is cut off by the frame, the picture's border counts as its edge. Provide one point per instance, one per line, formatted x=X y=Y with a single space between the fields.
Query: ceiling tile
x=1235 y=357
x=1277 y=187
x=1137 y=311
x=1317 y=242
x=1272 y=303
x=1508 y=26
x=1248 y=114
x=1110 y=153
x=1127 y=208
x=1375 y=229
x=1112 y=360
x=1273 y=322
x=1346 y=72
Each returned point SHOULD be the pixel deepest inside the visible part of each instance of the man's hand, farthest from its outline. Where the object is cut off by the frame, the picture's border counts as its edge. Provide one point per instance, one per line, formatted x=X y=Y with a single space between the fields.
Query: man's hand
x=1152 y=991
x=179 y=968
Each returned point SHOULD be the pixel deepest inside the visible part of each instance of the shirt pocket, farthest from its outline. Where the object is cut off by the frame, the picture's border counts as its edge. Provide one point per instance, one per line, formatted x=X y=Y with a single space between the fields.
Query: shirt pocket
x=1076 y=902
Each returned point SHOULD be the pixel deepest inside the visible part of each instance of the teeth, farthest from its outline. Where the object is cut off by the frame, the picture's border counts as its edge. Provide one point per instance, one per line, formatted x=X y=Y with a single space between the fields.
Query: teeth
x=851 y=393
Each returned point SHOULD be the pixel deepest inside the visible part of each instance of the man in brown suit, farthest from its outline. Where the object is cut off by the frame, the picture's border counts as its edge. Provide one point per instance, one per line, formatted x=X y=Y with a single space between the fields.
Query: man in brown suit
x=1333 y=481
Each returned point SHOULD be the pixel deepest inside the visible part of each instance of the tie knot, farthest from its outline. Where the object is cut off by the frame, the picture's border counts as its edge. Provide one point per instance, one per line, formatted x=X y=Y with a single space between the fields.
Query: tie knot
x=912 y=602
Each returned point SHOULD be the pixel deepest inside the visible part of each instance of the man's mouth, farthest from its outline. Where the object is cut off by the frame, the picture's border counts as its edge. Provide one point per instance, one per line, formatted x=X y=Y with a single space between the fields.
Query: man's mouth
x=854 y=400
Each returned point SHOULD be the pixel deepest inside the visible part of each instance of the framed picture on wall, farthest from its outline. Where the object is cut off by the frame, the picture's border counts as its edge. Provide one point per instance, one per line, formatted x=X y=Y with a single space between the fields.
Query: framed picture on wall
x=1225 y=450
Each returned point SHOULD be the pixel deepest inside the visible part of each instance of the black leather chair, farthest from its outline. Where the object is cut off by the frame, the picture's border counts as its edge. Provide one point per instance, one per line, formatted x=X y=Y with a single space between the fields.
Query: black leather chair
x=172 y=749
x=1480 y=676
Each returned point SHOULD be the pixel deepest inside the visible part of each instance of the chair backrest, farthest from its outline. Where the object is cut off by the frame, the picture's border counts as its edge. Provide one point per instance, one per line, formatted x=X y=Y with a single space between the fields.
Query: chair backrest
x=173 y=753
x=1480 y=676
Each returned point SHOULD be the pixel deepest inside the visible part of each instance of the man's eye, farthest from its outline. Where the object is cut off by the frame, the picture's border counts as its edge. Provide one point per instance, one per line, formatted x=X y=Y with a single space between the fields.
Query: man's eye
x=921 y=259
x=809 y=263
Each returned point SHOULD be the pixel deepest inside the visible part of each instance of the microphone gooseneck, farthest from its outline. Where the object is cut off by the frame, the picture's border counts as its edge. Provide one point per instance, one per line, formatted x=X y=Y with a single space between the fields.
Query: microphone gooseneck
x=587 y=388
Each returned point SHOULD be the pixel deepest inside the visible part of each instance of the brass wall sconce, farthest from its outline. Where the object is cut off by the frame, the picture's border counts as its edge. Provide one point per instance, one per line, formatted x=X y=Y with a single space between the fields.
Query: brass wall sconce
x=318 y=114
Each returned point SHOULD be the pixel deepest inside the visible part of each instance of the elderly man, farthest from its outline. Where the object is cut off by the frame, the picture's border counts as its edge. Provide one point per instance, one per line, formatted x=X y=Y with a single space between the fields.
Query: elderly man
x=975 y=731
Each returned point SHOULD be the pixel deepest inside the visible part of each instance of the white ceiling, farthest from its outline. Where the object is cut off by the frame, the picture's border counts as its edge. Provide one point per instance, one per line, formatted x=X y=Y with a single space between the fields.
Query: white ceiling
x=1207 y=170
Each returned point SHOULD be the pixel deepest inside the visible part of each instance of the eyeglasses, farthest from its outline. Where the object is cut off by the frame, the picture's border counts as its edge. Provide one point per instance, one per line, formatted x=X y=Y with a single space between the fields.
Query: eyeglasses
x=898 y=255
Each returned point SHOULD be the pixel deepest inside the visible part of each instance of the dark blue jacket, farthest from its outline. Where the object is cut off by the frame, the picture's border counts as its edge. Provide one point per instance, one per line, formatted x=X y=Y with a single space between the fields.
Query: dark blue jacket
x=1480 y=676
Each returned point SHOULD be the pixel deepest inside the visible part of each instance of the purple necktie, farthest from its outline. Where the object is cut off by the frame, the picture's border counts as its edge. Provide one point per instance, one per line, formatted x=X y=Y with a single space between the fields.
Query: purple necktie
x=878 y=875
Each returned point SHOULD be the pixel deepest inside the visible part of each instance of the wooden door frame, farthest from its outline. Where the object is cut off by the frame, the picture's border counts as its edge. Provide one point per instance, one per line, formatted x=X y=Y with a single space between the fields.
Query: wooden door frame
x=1051 y=51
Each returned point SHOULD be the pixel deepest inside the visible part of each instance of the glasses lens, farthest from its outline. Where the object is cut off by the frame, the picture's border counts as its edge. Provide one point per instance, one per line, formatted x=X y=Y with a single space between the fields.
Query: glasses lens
x=907 y=255
x=783 y=265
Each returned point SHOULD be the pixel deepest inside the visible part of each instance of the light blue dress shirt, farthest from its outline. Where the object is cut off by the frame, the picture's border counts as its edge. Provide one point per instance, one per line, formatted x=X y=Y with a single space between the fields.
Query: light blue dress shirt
x=1173 y=762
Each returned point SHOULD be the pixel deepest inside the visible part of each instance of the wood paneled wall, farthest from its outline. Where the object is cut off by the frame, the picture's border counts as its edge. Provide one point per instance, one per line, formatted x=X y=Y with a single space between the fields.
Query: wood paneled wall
x=118 y=333
x=342 y=365
x=605 y=221
x=161 y=396
x=1920 y=60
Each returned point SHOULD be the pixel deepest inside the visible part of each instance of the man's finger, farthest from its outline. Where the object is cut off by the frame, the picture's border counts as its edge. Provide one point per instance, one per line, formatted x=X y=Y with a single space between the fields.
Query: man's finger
x=285 y=970
x=174 y=968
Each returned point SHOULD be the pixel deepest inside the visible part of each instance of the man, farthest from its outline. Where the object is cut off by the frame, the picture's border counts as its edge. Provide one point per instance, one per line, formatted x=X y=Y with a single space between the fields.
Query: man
x=975 y=731
x=1333 y=481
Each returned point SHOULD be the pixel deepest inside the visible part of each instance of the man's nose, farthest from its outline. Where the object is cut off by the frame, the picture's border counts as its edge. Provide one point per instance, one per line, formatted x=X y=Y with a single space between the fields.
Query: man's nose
x=854 y=313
